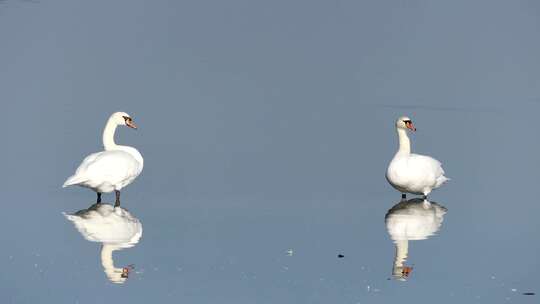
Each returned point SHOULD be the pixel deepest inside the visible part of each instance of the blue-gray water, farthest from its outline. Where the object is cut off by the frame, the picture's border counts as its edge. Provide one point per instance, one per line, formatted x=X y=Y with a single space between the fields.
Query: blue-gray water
x=267 y=127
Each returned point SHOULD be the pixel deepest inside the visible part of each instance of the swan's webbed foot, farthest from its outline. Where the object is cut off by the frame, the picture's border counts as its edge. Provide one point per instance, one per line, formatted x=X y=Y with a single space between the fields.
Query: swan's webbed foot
x=98 y=201
x=117 y=201
x=424 y=197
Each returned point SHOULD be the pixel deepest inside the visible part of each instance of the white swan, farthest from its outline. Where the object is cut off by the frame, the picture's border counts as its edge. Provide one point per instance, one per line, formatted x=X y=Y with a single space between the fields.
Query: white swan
x=413 y=173
x=415 y=219
x=115 y=228
x=112 y=169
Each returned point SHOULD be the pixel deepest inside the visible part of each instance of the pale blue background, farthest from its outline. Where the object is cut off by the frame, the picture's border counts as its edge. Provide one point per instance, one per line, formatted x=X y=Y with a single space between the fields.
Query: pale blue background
x=268 y=125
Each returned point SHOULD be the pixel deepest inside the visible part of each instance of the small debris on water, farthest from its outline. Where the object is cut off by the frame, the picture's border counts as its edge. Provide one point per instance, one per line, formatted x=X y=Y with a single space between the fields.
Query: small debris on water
x=528 y=293
x=290 y=252
x=514 y=290
x=340 y=256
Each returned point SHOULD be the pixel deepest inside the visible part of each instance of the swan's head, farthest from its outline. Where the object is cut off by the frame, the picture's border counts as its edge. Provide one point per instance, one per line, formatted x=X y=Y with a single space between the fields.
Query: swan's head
x=405 y=123
x=402 y=273
x=123 y=119
x=118 y=275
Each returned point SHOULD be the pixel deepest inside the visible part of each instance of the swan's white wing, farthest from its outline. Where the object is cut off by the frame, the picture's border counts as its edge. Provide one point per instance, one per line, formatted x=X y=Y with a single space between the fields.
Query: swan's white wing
x=79 y=177
x=425 y=162
x=426 y=170
x=112 y=163
x=111 y=167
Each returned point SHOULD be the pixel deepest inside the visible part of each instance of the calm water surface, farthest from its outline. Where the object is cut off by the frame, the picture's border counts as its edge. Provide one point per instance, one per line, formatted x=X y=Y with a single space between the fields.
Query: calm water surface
x=476 y=242
x=266 y=130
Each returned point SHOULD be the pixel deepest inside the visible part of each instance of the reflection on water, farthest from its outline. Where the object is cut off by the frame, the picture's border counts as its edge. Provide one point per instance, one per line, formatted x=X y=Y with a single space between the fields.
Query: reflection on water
x=410 y=220
x=115 y=228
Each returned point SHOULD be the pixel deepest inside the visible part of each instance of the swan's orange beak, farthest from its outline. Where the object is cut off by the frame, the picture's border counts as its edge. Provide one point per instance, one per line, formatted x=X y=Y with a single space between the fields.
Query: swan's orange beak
x=406 y=272
x=125 y=272
x=131 y=124
x=410 y=126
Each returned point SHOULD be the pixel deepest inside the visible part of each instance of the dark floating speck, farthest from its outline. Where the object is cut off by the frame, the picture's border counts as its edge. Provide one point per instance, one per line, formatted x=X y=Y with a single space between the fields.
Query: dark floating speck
x=528 y=293
x=340 y=256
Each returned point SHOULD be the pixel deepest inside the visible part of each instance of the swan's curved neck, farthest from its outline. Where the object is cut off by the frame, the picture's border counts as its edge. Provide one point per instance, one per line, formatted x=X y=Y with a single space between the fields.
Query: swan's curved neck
x=402 y=250
x=113 y=273
x=108 y=135
x=404 y=142
x=106 y=256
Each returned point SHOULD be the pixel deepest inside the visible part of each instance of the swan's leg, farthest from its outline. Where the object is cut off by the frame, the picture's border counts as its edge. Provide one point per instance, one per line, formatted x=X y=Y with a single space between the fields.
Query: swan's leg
x=403 y=196
x=426 y=192
x=117 y=202
x=98 y=198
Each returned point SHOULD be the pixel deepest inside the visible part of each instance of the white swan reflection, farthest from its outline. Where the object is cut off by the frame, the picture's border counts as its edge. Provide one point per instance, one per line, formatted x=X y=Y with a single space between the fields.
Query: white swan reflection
x=411 y=220
x=115 y=228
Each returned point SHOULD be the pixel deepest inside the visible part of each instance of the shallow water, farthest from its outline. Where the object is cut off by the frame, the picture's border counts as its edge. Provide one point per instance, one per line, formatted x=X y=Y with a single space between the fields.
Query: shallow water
x=270 y=250
x=266 y=133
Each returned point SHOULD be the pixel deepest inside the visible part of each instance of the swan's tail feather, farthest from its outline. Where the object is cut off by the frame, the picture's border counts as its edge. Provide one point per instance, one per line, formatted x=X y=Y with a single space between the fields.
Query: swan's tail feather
x=441 y=180
x=69 y=216
x=72 y=218
x=73 y=180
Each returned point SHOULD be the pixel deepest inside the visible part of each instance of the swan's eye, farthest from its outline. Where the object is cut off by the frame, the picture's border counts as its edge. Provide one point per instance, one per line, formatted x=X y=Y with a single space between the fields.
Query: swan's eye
x=407 y=121
x=127 y=118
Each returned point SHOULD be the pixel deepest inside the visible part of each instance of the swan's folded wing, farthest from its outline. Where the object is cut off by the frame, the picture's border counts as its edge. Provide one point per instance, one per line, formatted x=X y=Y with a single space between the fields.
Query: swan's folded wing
x=425 y=166
x=79 y=176
x=111 y=165
x=87 y=161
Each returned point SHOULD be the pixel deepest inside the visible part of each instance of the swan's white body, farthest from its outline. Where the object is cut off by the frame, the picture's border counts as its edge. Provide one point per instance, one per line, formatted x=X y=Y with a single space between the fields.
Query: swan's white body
x=114 y=227
x=413 y=173
x=415 y=219
x=112 y=169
